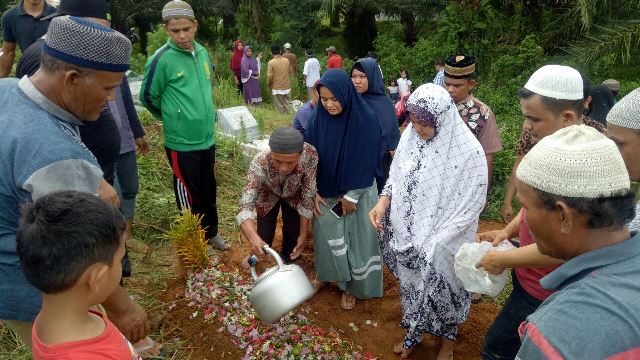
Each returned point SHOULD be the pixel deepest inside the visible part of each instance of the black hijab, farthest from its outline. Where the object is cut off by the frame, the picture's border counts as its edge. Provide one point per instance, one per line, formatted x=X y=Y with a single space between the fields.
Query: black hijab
x=379 y=102
x=602 y=100
x=348 y=144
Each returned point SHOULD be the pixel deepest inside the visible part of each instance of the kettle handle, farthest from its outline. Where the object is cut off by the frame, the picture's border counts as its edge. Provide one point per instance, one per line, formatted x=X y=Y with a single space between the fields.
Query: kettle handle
x=271 y=252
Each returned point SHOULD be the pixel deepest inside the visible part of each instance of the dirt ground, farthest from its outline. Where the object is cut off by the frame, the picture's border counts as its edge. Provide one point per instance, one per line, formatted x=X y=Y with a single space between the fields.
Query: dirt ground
x=205 y=342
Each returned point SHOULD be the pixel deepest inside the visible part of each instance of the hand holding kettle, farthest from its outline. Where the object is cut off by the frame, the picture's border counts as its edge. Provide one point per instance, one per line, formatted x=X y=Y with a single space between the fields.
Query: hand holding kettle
x=257 y=246
x=279 y=289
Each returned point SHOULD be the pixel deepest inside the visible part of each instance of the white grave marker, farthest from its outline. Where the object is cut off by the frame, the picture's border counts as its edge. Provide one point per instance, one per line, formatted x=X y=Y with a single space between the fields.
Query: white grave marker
x=238 y=122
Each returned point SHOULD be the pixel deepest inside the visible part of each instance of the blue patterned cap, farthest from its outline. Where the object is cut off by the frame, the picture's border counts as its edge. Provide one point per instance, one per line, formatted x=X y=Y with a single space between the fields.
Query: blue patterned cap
x=84 y=43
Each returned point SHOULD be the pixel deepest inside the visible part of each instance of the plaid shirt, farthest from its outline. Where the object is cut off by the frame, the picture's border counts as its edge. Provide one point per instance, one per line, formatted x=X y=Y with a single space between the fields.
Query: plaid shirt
x=439 y=79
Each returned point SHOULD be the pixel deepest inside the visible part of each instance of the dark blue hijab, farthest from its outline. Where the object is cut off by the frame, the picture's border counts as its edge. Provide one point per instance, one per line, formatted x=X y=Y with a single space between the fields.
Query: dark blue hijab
x=348 y=144
x=379 y=102
x=602 y=100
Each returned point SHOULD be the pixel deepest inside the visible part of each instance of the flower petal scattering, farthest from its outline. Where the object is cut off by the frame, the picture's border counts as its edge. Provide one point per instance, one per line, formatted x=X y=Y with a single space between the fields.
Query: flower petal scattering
x=221 y=293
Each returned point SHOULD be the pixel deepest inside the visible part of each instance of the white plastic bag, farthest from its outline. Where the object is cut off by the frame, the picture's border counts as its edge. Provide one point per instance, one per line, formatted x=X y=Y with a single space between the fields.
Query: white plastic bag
x=479 y=280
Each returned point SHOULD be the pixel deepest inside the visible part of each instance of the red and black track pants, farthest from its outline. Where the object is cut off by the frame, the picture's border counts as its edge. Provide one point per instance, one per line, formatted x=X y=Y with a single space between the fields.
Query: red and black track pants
x=194 y=184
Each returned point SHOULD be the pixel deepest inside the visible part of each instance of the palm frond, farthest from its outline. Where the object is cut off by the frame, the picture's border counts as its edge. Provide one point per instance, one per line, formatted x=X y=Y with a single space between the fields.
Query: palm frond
x=620 y=40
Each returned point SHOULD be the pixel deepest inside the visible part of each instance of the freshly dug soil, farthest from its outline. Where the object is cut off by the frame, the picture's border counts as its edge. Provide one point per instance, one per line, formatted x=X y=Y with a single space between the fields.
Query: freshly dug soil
x=206 y=343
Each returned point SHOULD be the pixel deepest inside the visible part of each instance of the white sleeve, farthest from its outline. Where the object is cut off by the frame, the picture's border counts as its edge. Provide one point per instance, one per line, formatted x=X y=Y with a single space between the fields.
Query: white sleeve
x=305 y=71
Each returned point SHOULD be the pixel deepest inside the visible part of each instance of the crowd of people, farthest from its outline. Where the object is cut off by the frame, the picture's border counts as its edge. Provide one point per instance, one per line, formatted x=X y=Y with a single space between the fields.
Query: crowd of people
x=424 y=197
x=401 y=185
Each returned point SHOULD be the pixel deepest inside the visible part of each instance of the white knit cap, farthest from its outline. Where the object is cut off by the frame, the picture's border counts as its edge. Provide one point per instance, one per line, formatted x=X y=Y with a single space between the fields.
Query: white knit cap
x=287 y=46
x=577 y=161
x=556 y=81
x=626 y=112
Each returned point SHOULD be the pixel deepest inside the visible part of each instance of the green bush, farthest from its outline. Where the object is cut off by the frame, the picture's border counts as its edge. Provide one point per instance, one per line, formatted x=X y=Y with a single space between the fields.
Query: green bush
x=470 y=29
x=419 y=60
x=516 y=66
x=156 y=39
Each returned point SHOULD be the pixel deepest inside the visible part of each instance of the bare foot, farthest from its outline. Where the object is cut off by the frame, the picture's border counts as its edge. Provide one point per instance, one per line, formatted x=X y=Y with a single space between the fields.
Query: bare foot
x=399 y=349
x=318 y=285
x=348 y=301
x=446 y=350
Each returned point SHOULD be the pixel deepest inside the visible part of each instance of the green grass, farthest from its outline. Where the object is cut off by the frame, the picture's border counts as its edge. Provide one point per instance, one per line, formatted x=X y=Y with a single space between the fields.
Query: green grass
x=225 y=95
x=11 y=347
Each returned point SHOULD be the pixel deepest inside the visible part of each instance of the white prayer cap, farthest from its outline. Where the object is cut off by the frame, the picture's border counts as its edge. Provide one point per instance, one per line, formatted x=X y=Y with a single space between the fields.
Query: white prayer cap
x=287 y=46
x=577 y=161
x=556 y=81
x=626 y=112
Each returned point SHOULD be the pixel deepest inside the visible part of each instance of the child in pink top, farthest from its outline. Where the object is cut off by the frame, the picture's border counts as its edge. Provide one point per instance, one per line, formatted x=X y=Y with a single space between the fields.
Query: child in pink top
x=70 y=246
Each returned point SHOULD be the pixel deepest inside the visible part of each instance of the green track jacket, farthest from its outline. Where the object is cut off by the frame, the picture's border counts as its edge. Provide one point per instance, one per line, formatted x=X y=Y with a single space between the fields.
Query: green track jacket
x=177 y=90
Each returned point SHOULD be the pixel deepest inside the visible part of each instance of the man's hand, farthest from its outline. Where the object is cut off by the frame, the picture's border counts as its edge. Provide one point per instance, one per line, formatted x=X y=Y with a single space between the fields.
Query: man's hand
x=348 y=206
x=494 y=236
x=256 y=246
x=491 y=263
x=506 y=212
x=107 y=193
x=143 y=145
x=132 y=321
x=319 y=200
x=297 y=251
x=235 y=79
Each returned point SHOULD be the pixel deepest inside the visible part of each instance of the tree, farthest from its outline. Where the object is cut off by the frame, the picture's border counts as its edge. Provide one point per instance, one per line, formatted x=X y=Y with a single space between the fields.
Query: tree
x=254 y=20
x=296 y=22
x=143 y=14
x=618 y=40
x=360 y=23
x=591 y=30
x=411 y=14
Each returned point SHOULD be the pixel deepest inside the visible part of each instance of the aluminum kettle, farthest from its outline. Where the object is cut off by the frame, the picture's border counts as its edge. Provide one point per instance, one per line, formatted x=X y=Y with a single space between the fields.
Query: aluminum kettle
x=279 y=289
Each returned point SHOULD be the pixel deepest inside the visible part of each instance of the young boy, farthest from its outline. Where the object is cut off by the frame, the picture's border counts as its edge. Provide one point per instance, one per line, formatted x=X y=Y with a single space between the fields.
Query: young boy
x=70 y=245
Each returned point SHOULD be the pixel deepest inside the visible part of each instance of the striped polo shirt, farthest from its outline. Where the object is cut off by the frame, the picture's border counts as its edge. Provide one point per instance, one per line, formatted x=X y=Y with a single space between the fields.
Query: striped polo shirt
x=595 y=314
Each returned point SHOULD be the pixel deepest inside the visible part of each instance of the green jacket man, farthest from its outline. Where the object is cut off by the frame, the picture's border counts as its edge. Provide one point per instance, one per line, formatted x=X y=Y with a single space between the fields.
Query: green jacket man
x=177 y=90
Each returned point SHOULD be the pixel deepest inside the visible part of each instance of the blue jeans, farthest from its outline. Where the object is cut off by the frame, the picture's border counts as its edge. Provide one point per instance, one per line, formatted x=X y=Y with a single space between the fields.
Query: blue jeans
x=502 y=340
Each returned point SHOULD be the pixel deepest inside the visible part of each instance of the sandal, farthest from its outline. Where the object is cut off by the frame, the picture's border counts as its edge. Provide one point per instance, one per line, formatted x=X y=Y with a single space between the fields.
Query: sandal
x=348 y=301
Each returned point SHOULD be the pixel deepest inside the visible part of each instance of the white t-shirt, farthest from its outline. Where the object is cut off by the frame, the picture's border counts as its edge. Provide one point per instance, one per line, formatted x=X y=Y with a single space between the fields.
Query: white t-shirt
x=403 y=85
x=312 y=70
